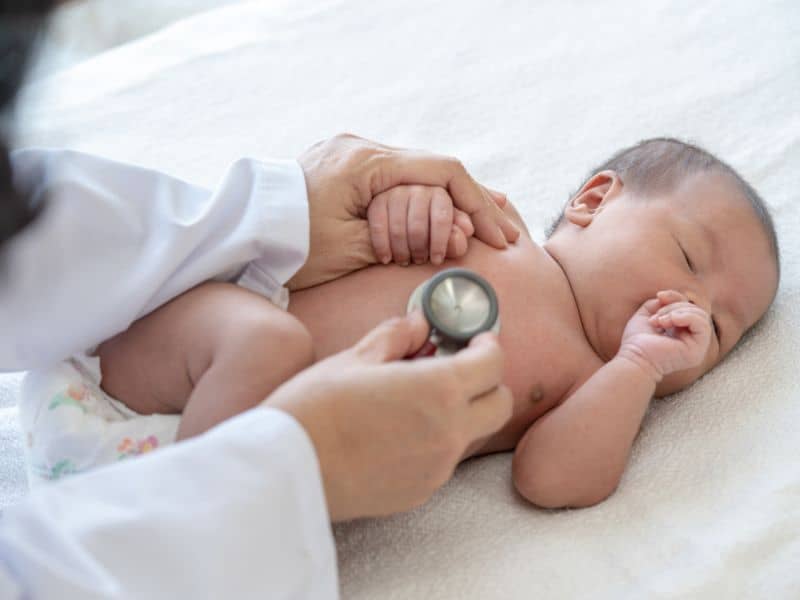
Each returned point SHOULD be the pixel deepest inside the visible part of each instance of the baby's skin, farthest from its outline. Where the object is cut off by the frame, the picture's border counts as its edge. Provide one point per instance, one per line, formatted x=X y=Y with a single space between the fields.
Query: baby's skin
x=546 y=351
x=630 y=298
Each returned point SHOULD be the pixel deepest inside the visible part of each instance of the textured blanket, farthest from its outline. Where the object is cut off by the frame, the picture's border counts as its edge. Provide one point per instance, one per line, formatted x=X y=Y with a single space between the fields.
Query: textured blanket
x=530 y=95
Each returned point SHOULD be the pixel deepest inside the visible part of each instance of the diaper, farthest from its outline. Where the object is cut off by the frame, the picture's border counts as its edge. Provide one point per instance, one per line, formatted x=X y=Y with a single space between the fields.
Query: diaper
x=71 y=425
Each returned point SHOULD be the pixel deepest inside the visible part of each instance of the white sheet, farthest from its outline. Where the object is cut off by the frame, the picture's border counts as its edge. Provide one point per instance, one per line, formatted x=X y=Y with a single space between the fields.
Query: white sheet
x=530 y=96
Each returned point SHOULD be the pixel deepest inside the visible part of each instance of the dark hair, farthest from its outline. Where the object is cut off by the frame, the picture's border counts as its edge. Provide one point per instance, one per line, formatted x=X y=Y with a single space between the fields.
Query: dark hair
x=659 y=164
x=21 y=25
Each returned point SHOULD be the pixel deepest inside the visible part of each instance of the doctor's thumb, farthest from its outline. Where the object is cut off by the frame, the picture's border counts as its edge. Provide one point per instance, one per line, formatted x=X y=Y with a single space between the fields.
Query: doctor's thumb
x=394 y=339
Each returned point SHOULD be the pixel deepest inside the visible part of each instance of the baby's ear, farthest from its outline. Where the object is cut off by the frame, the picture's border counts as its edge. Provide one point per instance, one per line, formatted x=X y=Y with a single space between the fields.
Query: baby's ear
x=592 y=197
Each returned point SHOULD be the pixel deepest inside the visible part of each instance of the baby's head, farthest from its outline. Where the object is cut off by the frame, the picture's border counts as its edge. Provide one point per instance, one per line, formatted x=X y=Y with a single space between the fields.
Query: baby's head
x=667 y=215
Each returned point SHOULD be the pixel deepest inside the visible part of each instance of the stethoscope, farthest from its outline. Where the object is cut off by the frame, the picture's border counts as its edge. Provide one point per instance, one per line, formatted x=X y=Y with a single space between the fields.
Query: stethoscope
x=458 y=305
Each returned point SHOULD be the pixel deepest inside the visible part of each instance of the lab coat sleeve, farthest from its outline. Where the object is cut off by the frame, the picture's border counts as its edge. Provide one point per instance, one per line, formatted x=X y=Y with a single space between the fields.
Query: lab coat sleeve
x=238 y=512
x=116 y=241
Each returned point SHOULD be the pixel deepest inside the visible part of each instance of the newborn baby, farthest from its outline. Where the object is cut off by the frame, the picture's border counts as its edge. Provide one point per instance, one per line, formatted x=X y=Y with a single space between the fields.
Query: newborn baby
x=657 y=266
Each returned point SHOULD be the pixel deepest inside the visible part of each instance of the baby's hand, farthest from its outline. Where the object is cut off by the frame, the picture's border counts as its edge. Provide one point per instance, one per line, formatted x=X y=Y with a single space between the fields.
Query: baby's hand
x=415 y=222
x=668 y=333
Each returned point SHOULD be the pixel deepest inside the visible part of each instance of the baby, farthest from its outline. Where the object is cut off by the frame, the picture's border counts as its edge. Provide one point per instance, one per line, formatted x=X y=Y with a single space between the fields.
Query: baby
x=655 y=269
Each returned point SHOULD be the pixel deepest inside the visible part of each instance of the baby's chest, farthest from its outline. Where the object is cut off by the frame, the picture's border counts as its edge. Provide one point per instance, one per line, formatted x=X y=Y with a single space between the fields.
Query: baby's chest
x=538 y=381
x=545 y=357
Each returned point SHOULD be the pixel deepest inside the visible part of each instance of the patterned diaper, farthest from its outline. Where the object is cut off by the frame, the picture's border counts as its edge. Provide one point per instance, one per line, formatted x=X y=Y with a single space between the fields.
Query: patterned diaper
x=71 y=425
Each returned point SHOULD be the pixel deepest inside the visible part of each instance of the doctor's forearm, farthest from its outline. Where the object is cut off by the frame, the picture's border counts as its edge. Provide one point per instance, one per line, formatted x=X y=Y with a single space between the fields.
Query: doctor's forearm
x=245 y=494
x=575 y=454
x=116 y=241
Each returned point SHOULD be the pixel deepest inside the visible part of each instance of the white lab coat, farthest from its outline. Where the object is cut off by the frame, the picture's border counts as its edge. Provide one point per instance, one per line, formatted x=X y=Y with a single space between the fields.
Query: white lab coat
x=238 y=512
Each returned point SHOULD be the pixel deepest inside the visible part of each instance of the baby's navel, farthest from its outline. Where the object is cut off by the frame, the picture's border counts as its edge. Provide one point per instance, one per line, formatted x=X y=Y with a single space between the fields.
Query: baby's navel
x=537 y=394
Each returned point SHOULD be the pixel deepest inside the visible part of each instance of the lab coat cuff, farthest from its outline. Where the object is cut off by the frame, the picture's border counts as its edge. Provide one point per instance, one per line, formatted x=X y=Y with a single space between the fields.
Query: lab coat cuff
x=280 y=187
x=291 y=451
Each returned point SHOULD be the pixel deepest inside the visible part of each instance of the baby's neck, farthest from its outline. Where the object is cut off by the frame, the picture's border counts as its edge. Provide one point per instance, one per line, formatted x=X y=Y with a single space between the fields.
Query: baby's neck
x=572 y=309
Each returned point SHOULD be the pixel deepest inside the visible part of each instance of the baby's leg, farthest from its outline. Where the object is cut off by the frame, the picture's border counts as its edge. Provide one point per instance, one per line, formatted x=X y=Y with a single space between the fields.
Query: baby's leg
x=210 y=353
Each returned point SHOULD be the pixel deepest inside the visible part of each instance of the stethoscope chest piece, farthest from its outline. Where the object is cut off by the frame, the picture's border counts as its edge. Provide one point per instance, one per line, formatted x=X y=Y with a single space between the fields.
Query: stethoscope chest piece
x=458 y=304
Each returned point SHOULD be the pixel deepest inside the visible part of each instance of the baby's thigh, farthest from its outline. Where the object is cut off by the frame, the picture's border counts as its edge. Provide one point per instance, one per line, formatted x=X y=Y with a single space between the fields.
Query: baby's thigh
x=154 y=366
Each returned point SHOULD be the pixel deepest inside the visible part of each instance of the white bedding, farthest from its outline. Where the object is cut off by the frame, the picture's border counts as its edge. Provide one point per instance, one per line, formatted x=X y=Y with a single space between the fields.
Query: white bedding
x=530 y=95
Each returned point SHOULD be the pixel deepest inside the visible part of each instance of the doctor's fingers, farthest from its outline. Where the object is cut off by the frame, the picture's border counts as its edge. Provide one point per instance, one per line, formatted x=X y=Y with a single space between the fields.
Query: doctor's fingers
x=489 y=216
x=499 y=197
x=478 y=368
x=463 y=222
x=460 y=231
x=458 y=415
x=393 y=339
x=488 y=413
x=457 y=245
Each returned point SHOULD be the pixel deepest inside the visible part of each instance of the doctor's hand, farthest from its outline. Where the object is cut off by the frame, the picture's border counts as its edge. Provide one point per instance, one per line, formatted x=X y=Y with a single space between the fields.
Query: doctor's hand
x=389 y=432
x=344 y=174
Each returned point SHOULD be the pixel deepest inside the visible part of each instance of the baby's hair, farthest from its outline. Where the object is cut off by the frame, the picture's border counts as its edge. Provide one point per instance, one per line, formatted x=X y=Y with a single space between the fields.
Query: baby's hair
x=659 y=164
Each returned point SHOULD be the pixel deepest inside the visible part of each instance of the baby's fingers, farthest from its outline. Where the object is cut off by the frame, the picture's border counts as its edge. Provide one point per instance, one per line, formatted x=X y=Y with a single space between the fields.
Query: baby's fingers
x=398 y=234
x=669 y=296
x=418 y=226
x=677 y=306
x=378 y=218
x=441 y=225
x=695 y=320
x=652 y=305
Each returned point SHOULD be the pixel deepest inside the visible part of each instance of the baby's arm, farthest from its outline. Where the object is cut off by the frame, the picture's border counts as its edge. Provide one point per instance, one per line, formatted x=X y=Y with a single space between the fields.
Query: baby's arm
x=575 y=454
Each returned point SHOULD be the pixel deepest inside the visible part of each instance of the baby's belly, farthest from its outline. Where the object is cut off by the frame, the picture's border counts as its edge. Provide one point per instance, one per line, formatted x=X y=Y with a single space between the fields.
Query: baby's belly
x=339 y=313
